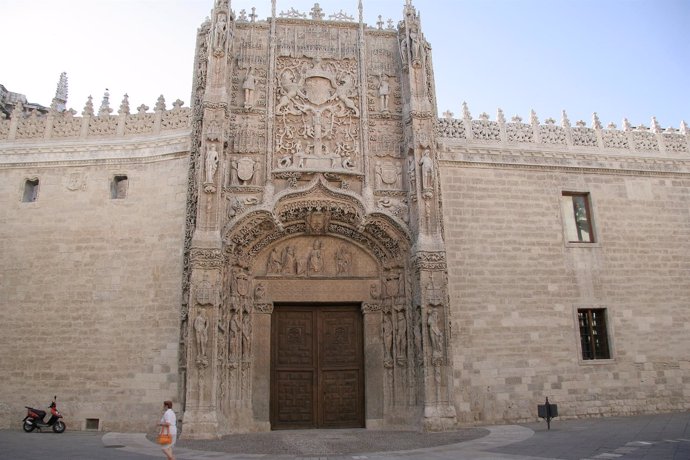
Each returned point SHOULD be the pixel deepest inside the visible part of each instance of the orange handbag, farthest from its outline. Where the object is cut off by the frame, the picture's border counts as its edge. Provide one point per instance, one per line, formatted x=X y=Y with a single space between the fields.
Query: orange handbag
x=164 y=437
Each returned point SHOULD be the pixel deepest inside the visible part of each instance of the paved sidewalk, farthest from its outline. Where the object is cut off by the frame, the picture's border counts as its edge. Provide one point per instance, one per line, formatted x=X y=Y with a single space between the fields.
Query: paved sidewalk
x=650 y=437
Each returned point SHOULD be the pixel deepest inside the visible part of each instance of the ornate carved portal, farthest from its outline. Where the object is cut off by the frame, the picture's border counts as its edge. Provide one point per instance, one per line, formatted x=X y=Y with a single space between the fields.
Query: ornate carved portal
x=313 y=181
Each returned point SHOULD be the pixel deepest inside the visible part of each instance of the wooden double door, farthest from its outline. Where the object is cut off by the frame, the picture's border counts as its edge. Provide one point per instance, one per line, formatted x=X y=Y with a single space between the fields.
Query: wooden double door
x=317 y=368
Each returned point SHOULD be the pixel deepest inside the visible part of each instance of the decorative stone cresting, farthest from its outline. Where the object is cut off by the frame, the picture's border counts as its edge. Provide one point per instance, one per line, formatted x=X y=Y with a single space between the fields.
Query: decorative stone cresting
x=653 y=140
x=65 y=125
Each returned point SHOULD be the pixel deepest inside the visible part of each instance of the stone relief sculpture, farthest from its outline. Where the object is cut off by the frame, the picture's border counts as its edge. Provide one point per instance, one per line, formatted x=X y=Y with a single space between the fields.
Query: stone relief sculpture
x=244 y=169
x=211 y=163
x=435 y=334
x=384 y=91
x=249 y=86
x=317 y=106
x=387 y=340
x=388 y=175
x=343 y=261
x=234 y=332
x=427 y=170
x=220 y=35
x=201 y=332
x=246 y=336
x=290 y=264
x=274 y=265
x=315 y=259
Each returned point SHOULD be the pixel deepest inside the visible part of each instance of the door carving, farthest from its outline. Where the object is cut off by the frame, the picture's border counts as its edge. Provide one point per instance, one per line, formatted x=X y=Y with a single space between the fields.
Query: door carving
x=317 y=371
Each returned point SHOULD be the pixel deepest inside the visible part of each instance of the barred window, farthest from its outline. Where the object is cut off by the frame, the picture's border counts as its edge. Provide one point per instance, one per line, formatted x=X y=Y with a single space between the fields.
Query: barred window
x=593 y=333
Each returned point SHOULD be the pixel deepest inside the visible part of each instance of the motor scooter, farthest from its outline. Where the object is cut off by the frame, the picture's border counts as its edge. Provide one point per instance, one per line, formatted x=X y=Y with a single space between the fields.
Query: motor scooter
x=35 y=419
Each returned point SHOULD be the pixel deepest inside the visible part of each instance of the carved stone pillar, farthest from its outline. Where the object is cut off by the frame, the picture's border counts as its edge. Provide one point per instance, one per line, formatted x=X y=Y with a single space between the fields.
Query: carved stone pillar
x=439 y=411
x=373 y=365
x=261 y=363
x=200 y=416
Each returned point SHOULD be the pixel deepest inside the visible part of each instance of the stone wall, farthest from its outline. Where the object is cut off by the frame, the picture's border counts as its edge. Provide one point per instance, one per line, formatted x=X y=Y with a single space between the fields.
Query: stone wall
x=90 y=285
x=515 y=287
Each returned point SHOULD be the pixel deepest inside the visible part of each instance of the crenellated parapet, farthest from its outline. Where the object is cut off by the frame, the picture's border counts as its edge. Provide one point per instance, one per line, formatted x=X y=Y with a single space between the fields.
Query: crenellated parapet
x=62 y=125
x=651 y=141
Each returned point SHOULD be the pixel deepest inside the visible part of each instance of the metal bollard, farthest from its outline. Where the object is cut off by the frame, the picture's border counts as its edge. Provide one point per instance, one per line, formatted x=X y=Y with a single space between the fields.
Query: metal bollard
x=547 y=411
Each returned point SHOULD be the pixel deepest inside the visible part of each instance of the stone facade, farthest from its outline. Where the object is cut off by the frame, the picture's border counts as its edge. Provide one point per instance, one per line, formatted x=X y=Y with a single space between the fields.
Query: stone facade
x=311 y=169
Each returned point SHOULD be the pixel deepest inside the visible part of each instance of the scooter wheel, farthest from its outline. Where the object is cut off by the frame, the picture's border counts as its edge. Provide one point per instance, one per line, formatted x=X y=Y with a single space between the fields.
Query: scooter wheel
x=59 y=426
x=28 y=427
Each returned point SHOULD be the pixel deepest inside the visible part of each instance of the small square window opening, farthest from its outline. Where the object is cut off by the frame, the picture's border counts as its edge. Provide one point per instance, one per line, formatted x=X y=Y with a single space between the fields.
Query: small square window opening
x=118 y=187
x=30 y=191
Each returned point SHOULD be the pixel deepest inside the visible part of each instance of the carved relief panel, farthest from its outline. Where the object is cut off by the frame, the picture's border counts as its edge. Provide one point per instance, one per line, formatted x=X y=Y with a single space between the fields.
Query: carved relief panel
x=317 y=110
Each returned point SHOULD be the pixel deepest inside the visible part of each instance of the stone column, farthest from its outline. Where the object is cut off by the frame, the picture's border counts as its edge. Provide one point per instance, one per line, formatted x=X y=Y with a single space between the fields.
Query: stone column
x=200 y=416
x=261 y=374
x=373 y=365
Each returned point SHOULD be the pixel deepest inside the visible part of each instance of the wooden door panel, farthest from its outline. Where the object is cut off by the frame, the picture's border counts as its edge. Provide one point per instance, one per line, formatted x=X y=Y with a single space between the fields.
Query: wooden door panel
x=340 y=339
x=317 y=367
x=294 y=398
x=340 y=394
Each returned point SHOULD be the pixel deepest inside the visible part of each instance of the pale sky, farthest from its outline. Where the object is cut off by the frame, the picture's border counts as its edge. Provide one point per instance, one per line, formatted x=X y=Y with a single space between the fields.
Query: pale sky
x=619 y=58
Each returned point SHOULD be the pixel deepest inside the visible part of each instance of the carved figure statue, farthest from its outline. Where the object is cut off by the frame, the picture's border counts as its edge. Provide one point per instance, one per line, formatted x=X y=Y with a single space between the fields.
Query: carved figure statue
x=384 y=91
x=427 y=166
x=435 y=334
x=403 y=51
x=400 y=332
x=343 y=261
x=234 y=331
x=289 y=261
x=416 y=45
x=246 y=335
x=275 y=264
x=211 y=162
x=201 y=331
x=220 y=33
x=315 y=258
x=249 y=85
x=387 y=338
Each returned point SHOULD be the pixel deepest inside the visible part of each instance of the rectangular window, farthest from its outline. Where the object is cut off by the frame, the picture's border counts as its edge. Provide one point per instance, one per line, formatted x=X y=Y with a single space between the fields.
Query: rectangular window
x=118 y=187
x=30 y=190
x=577 y=217
x=593 y=333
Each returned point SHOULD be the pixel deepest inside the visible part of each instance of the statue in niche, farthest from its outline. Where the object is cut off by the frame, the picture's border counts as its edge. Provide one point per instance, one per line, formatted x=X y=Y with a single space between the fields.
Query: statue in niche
x=427 y=166
x=400 y=332
x=289 y=261
x=343 y=261
x=249 y=85
x=435 y=334
x=315 y=259
x=403 y=51
x=211 y=163
x=416 y=45
x=201 y=332
x=274 y=265
x=220 y=33
x=387 y=340
x=246 y=336
x=384 y=91
x=234 y=331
